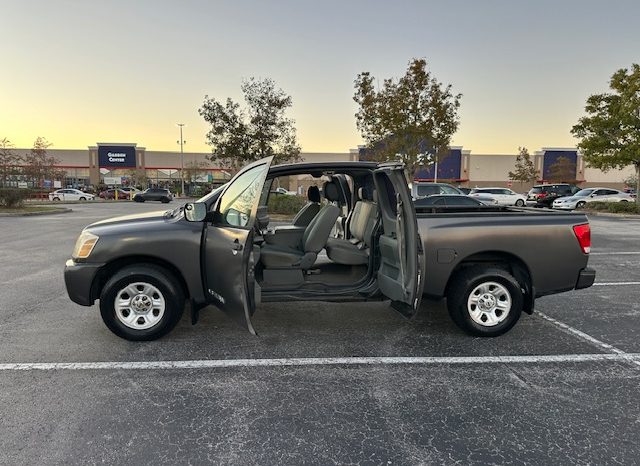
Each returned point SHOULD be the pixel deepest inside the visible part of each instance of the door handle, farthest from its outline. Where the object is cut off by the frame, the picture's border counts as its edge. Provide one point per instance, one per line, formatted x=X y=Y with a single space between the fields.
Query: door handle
x=236 y=246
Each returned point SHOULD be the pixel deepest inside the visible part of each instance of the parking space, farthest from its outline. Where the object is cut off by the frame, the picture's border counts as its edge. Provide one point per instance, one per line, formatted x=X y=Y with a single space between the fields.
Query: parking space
x=456 y=401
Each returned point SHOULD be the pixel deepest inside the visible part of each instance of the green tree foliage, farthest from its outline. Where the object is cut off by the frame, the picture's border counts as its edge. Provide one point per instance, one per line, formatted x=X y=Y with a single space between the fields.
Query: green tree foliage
x=239 y=136
x=525 y=170
x=409 y=118
x=610 y=132
x=563 y=171
x=8 y=160
x=39 y=166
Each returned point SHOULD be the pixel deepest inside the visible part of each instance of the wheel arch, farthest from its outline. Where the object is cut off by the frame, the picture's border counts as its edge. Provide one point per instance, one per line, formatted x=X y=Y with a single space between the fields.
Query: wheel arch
x=113 y=266
x=502 y=260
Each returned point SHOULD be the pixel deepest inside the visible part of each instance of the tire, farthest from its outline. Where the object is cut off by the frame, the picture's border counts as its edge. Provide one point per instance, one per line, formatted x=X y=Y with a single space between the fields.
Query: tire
x=580 y=205
x=56 y=199
x=623 y=200
x=82 y=199
x=520 y=203
x=154 y=316
x=491 y=285
x=165 y=200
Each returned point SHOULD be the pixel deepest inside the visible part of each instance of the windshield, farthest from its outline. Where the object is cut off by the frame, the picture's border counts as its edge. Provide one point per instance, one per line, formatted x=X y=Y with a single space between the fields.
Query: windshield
x=583 y=193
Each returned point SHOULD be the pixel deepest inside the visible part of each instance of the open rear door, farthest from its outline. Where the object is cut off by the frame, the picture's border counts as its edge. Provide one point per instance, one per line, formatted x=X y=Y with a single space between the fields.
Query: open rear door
x=401 y=257
x=228 y=254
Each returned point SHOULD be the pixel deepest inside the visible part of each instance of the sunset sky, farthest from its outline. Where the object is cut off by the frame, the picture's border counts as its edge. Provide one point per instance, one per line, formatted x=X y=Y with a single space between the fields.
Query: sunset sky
x=81 y=72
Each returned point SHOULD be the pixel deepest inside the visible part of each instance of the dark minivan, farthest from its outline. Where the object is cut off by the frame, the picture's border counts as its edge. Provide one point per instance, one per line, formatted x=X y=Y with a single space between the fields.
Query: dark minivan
x=154 y=194
x=543 y=195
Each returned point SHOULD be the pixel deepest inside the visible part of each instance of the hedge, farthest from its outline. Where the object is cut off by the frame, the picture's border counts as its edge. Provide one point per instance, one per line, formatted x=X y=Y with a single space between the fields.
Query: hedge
x=13 y=197
x=614 y=207
x=285 y=203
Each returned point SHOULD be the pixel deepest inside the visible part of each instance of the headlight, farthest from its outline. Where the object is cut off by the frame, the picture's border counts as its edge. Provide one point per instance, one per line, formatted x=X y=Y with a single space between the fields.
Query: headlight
x=84 y=245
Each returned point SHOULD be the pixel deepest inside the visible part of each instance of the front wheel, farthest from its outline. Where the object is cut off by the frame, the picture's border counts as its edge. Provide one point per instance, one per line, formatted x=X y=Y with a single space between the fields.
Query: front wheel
x=56 y=199
x=580 y=205
x=520 y=203
x=83 y=199
x=485 y=302
x=141 y=302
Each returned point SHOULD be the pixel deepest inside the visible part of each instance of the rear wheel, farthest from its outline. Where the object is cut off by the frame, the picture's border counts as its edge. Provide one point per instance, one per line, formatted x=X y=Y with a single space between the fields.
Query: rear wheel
x=520 y=203
x=485 y=302
x=141 y=302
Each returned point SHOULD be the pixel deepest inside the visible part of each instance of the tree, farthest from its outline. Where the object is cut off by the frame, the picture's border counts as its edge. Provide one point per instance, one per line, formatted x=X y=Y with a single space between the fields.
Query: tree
x=525 y=170
x=39 y=166
x=137 y=179
x=563 y=170
x=610 y=133
x=411 y=119
x=8 y=160
x=240 y=136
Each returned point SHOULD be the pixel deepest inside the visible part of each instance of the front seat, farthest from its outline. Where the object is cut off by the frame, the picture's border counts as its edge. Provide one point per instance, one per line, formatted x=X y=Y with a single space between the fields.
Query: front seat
x=313 y=240
x=309 y=211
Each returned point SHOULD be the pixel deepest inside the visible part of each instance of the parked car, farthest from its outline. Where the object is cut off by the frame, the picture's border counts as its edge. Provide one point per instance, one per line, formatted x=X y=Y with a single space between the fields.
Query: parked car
x=144 y=268
x=584 y=196
x=543 y=195
x=69 y=194
x=438 y=200
x=503 y=196
x=422 y=189
x=111 y=194
x=130 y=190
x=154 y=194
x=283 y=191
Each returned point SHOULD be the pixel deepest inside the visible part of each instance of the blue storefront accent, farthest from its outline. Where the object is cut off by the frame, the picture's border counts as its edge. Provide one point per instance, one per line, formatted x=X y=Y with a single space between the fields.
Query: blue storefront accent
x=551 y=156
x=448 y=168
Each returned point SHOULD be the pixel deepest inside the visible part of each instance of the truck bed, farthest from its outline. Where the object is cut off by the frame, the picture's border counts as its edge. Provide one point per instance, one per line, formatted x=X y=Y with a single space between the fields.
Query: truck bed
x=540 y=241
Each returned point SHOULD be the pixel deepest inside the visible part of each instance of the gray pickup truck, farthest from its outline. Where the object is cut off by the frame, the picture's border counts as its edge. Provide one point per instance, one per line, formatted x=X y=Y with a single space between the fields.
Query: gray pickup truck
x=358 y=238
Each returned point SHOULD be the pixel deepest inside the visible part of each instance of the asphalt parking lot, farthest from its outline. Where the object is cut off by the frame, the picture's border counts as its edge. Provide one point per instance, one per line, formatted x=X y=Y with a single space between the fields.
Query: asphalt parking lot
x=561 y=387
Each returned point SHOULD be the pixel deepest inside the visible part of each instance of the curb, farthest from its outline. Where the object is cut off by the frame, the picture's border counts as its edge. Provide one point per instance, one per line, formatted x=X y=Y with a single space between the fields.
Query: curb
x=613 y=215
x=31 y=214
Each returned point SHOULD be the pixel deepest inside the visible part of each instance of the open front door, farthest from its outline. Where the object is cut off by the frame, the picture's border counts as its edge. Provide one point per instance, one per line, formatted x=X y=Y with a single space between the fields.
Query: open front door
x=228 y=256
x=400 y=274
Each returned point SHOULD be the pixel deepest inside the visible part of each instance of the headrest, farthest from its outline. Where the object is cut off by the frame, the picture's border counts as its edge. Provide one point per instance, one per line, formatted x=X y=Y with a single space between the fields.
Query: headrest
x=366 y=193
x=331 y=191
x=313 y=194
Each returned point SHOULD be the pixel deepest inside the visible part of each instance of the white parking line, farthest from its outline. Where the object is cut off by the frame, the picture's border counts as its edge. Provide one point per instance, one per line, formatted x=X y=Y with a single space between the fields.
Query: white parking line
x=348 y=361
x=615 y=283
x=631 y=357
x=615 y=253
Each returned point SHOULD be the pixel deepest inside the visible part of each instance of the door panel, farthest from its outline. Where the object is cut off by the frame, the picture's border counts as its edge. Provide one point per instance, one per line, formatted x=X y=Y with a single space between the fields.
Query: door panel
x=228 y=246
x=400 y=274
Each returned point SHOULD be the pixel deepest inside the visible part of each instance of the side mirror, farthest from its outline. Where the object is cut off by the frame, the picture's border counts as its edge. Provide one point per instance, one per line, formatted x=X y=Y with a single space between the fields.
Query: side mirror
x=195 y=211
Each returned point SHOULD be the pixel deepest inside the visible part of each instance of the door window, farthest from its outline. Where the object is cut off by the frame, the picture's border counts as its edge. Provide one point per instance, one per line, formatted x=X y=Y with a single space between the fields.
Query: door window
x=237 y=202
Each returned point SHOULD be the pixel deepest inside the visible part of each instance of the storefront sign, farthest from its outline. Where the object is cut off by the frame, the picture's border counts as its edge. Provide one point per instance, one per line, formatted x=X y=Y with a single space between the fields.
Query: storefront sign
x=117 y=156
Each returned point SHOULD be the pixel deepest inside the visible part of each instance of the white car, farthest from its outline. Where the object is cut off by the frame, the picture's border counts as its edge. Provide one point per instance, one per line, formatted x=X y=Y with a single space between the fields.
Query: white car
x=70 y=195
x=584 y=196
x=504 y=196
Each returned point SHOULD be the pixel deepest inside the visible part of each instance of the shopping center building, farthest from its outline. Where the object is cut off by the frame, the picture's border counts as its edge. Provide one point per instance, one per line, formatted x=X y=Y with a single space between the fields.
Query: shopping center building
x=115 y=164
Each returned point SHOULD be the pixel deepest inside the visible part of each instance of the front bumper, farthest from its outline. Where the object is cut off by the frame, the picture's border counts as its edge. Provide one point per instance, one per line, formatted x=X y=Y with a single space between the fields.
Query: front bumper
x=586 y=277
x=564 y=206
x=78 y=278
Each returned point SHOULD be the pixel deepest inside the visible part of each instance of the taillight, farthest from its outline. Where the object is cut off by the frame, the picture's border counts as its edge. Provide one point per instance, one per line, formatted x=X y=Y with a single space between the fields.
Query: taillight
x=541 y=195
x=583 y=233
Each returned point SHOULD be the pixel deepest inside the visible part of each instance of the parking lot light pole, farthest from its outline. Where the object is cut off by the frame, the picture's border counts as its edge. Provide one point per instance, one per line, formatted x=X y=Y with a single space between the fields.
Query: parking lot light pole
x=181 y=142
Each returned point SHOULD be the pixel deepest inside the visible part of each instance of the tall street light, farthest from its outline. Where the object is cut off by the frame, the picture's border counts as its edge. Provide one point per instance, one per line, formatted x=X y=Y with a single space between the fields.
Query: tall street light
x=181 y=142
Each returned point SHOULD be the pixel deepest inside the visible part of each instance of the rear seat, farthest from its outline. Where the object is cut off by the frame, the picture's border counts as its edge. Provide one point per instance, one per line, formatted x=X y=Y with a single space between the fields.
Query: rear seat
x=355 y=250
